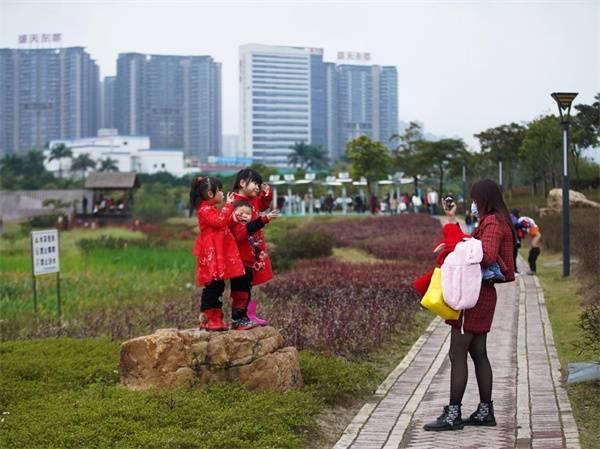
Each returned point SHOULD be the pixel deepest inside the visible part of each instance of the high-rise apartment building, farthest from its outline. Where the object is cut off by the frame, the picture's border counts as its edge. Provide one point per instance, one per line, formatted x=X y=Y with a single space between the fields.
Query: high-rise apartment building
x=282 y=100
x=46 y=94
x=176 y=100
x=289 y=95
x=368 y=102
x=108 y=102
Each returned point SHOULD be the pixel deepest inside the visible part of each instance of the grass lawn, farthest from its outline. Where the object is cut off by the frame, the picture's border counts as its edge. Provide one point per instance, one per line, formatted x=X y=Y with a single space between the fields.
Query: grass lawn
x=68 y=388
x=564 y=308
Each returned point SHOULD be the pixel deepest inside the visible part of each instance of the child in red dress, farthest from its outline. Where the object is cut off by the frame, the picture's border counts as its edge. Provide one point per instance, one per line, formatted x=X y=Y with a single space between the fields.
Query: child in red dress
x=248 y=186
x=216 y=250
x=245 y=231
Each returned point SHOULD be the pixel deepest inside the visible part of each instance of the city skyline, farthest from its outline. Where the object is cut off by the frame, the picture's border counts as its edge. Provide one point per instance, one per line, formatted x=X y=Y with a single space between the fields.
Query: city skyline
x=462 y=67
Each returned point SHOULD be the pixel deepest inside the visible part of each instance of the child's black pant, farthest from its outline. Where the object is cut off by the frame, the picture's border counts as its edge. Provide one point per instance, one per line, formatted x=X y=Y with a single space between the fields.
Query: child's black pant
x=241 y=292
x=211 y=295
x=532 y=259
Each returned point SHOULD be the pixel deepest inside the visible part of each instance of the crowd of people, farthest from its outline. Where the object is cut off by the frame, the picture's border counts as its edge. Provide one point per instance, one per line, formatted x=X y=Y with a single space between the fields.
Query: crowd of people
x=390 y=203
x=103 y=205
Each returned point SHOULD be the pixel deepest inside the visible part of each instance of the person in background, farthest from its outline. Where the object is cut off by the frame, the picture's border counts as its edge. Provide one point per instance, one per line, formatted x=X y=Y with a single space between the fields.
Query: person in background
x=529 y=227
x=514 y=215
x=469 y=222
x=359 y=205
x=394 y=204
x=374 y=204
x=84 y=205
x=416 y=203
x=432 y=201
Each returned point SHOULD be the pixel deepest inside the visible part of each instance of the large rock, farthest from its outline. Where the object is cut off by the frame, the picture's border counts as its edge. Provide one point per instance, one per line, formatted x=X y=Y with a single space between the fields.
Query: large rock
x=171 y=357
x=576 y=199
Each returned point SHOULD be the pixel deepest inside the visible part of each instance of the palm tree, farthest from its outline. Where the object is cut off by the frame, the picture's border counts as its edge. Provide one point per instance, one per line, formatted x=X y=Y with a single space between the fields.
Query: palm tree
x=59 y=152
x=82 y=163
x=108 y=164
x=300 y=154
x=308 y=156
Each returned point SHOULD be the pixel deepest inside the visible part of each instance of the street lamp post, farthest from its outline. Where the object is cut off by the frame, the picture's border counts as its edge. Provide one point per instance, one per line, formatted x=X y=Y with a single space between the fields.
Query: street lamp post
x=564 y=101
x=464 y=184
x=500 y=174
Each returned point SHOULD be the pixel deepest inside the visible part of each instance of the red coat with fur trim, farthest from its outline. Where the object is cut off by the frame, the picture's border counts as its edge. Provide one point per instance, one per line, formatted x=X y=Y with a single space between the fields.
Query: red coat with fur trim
x=259 y=204
x=217 y=253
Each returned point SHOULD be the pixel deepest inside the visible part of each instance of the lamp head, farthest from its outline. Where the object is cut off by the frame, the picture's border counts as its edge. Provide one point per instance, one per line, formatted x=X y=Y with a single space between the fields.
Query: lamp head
x=564 y=101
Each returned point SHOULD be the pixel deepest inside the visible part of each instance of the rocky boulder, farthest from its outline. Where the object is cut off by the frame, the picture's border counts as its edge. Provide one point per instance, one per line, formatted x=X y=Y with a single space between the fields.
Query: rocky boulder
x=170 y=357
x=576 y=199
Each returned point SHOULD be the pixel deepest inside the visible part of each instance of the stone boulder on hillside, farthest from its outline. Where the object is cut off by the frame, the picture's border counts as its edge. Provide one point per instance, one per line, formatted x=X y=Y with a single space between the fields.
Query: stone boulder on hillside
x=168 y=357
x=576 y=199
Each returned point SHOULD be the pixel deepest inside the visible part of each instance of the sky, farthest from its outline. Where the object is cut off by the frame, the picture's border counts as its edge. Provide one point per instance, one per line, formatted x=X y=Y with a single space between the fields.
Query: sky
x=463 y=66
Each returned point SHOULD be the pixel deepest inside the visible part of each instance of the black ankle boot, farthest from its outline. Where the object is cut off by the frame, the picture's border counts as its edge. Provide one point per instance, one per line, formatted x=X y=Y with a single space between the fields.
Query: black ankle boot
x=483 y=416
x=449 y=420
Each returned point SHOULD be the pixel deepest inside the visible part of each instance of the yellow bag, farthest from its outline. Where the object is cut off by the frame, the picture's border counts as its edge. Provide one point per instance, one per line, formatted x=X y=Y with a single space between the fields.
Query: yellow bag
x=434 y=301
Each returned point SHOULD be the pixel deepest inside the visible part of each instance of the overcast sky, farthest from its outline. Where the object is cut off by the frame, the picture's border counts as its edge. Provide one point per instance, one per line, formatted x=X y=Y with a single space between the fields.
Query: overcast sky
x=463 y=66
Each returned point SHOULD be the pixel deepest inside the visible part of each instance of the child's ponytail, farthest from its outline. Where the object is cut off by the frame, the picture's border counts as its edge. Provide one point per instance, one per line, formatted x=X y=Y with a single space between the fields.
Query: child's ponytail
x=200 y=187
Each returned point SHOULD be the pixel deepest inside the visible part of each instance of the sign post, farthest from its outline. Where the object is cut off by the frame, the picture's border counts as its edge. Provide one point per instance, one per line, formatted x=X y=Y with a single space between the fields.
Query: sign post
x=45 y=260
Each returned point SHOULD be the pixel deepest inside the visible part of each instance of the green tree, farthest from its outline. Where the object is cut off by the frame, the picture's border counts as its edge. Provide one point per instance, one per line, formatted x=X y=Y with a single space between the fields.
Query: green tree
x=11 y=169
x=503 y=142
x=405 y=156
x=58 y=153
x=154 y=203
x=369 y=158
x=541 y=151
x=24 y=171
x=108 y=164
x=82 y=162
x=441 y=155
x=585 y=130
x=308 y=156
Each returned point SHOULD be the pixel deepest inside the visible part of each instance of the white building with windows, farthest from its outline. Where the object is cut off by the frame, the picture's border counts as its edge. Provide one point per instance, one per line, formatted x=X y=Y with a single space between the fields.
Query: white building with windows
x=130 y=153
x=281 y=101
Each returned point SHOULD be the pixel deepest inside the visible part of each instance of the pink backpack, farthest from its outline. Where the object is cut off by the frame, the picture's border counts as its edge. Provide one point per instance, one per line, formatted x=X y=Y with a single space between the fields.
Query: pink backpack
x=461 y=275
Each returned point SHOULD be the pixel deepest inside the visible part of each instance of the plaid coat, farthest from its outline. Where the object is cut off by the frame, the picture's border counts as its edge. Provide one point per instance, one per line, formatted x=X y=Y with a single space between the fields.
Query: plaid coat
x=497 y=241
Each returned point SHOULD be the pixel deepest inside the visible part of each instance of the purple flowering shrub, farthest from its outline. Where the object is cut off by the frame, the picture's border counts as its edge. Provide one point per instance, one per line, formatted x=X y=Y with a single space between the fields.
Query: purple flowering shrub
x=342 y=308
x=409 y=236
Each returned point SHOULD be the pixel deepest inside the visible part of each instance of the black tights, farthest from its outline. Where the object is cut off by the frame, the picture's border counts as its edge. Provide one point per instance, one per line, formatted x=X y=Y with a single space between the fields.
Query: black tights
x=475 y=345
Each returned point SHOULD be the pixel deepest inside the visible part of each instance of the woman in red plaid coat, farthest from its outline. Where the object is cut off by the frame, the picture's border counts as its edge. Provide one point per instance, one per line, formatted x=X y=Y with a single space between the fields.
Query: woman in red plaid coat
x=496 y=233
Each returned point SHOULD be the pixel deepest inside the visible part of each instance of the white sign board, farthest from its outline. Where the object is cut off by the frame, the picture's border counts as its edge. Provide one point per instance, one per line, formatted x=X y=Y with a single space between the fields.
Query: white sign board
x=44 y=251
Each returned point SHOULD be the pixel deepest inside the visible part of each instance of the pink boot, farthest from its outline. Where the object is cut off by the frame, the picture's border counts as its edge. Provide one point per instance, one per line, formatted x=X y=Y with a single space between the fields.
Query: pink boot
x=252 y=314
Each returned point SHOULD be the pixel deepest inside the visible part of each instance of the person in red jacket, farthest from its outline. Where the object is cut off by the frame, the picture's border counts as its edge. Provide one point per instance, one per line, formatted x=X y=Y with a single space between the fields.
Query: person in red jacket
x=244 y=229
x=216 y=251
x=248 y=186
x=497 y=236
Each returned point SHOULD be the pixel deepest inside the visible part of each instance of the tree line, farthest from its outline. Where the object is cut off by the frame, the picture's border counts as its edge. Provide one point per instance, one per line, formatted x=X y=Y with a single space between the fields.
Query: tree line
x=530 y=153
x=28 y=172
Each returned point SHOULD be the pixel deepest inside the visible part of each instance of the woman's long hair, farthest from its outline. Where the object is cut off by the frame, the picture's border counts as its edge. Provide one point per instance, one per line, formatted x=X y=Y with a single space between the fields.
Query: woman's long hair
x=489 y=200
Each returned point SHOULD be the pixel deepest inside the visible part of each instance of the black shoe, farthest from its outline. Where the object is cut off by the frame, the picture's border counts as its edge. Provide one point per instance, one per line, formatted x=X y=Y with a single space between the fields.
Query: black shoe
x=242 y=324
x=483 y=416
x=449 y=420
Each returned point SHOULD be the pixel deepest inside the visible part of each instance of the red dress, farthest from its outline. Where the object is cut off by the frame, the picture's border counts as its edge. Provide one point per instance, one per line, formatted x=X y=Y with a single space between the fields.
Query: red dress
x=216 y=251
x=497 y=241
x=259 y=203
x=240 y=232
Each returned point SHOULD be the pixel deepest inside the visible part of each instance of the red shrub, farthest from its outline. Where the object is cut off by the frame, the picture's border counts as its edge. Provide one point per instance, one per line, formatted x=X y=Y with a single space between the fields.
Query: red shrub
x=342 y=308
x=408 y=236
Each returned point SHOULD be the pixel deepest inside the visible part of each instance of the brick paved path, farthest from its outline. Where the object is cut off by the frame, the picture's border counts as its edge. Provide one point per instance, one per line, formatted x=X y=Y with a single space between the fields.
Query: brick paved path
x=532 y=408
